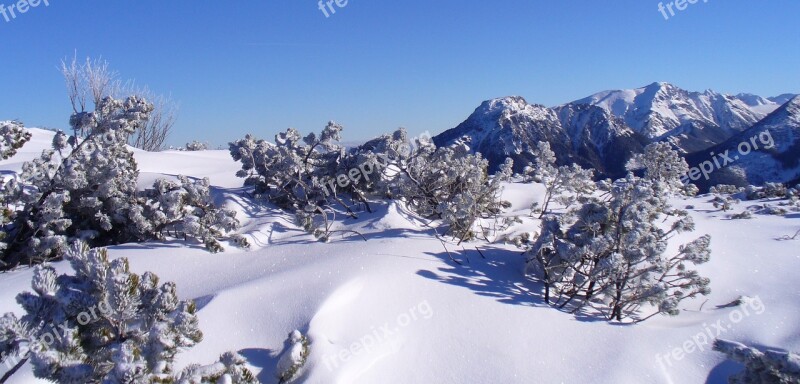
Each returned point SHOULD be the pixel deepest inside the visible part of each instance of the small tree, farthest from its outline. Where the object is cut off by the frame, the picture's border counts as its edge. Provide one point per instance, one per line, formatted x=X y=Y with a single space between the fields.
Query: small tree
x=608 y=255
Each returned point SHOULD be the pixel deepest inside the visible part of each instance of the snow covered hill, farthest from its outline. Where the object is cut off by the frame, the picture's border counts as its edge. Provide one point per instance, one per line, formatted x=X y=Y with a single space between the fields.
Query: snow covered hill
x=396 y=309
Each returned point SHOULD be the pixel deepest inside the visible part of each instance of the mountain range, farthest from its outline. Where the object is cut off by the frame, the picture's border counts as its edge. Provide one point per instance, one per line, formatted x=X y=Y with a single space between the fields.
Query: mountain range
x=604 y=130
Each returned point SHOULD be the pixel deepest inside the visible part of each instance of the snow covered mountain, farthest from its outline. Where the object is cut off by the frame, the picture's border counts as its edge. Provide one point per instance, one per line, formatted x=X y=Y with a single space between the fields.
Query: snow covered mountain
x=767 y=152
x=765 y=105
x=511 y=127
x=691 y=120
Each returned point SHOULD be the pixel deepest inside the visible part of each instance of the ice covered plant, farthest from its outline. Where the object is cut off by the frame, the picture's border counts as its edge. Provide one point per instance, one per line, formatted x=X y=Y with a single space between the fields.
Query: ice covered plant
x=83 y=187
x=568 y=183
x=103 y=323
x=609 y=255
x=196 y=146
x=766 y=367
x=184 y=209
x=292 y=173
x=13 y=136
x=767 y=191
x=230 y=369
x=449 y=184
x=293 y=357
x=663 y=165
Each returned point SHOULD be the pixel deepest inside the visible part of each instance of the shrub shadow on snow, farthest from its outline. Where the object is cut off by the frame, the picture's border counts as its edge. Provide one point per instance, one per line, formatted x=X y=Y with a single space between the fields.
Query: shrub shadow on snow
x=498 y=276
x=720 y=373
x=160 y=245
x=266 y=360
x=202 y=301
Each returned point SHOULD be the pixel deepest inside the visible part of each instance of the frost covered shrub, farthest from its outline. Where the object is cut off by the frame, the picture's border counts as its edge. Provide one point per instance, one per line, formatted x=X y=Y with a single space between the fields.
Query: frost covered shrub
x=725 y=189
x=288 y=172
x=85 y=188
x=13 y=136
x=745 y=215
x=768 y=367
x=608 y=255
x=105 y=324
x=291 y=173
x=560 y=182
x=768 y=191
x=448 y=183
x=185 y=209
x=229 y=369
x=101 y=324
x=196 y=146
x=724 y=202
x=82 y=188
x=293 y=357
x=314 y=178
x=663 y=166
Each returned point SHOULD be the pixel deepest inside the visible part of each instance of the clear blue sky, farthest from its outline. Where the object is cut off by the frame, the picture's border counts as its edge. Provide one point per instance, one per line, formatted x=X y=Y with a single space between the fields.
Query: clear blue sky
x=262 y=66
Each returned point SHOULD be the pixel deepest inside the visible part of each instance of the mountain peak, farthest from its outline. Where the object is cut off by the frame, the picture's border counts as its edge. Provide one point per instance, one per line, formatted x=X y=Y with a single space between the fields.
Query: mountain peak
x=515 y=103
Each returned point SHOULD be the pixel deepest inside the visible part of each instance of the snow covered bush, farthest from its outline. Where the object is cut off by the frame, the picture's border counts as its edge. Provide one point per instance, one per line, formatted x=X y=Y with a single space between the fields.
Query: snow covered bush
x=196 y=146
x=185 y=210
x=315 y=178
x=744 y=215
x=608 y=255
x=565 y=183
x=724 y=202
x=725 y=189
x=82 y=188
x=664 y=166
x=293 y=357
x=85 y=188
x=292 y=174
x=13 y=136
x=452 y=185
x=766 y=367
x=767 y=191
x=101 y=324
x=229 y=369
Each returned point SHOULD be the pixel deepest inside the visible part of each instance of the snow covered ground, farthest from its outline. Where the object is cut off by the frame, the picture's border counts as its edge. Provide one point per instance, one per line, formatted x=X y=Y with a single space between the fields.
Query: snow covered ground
x=396 y=309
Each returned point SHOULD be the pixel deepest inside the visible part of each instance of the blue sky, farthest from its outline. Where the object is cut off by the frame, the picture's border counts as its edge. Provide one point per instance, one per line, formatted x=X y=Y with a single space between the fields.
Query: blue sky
x=262 y=66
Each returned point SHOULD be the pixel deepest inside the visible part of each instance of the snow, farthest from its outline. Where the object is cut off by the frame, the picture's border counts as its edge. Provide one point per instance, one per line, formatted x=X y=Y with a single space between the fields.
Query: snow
x=661 y=109
x=395 y=309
